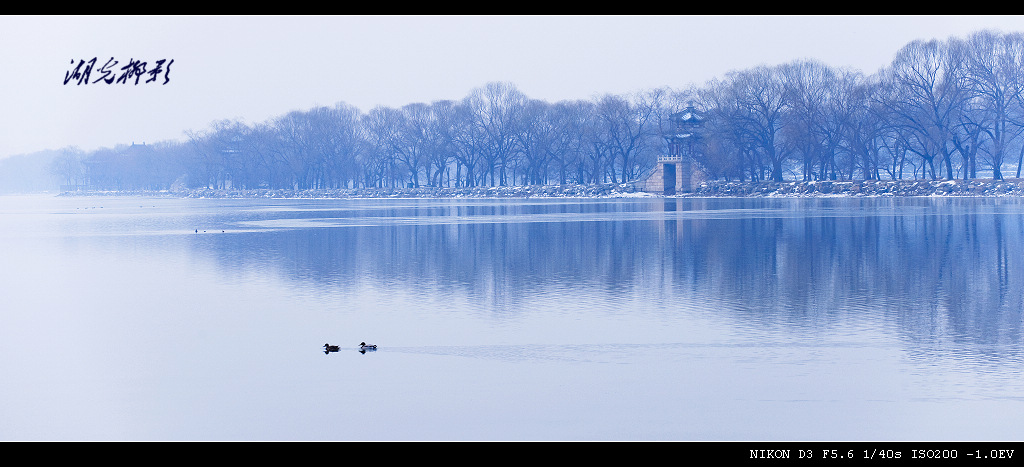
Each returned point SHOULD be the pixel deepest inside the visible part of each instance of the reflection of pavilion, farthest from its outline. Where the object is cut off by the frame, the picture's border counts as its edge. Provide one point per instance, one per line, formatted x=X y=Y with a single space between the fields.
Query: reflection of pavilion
x=673 y=172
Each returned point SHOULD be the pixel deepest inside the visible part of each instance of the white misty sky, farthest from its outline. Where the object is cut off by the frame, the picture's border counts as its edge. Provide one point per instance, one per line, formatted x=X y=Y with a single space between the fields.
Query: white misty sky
x=254 y=68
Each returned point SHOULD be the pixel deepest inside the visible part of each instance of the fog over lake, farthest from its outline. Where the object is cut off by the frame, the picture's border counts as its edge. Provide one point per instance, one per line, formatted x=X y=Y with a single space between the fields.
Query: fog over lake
x=139 y=318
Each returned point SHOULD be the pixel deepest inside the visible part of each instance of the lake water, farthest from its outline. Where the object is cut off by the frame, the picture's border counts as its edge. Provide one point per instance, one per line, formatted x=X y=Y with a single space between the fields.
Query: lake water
x=128 y=318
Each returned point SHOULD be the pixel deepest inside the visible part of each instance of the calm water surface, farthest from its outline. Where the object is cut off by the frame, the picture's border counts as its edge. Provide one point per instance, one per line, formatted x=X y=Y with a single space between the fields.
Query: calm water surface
x=630 y=319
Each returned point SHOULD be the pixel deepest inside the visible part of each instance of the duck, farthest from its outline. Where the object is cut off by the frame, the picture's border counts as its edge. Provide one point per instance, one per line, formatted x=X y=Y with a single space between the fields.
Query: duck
x=331 y=348
x=365 y=346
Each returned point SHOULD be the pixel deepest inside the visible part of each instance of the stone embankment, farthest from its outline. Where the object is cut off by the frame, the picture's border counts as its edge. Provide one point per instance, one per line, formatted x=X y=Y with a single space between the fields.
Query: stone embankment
x=977 y=187
x=605 y=190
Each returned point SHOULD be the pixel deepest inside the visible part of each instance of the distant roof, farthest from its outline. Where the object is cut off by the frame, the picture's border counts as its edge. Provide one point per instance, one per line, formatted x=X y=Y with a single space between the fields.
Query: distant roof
x=689 y=114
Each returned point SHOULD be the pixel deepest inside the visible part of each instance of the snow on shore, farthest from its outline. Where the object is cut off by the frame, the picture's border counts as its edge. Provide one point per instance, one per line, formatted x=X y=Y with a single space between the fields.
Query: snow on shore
x=607 y=190
x=1008 y=187
x=977 y=187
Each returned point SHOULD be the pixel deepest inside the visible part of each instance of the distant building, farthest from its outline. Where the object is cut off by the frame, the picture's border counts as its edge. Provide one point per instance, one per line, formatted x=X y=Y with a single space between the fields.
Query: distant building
x=673 y=172
x=121 y=168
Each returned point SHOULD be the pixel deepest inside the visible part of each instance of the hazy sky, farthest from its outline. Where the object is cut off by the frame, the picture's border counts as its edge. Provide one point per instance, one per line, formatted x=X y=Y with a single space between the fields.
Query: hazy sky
x=255 y=68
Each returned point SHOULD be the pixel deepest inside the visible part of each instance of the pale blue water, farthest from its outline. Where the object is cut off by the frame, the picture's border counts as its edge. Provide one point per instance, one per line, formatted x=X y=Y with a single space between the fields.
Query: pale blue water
x=636 y=319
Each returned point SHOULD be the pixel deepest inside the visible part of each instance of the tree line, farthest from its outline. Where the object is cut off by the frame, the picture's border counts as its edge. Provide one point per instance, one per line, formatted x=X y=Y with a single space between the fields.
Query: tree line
x=941 y=109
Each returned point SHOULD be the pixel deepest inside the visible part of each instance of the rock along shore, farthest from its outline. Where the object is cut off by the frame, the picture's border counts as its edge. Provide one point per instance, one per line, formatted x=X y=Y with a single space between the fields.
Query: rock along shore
x=977 y=187
x=604 y=190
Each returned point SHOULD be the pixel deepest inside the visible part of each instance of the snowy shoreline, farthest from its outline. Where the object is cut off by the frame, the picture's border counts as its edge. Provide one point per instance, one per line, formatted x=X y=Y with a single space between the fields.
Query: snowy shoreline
x=962 y=188
x=718 y=189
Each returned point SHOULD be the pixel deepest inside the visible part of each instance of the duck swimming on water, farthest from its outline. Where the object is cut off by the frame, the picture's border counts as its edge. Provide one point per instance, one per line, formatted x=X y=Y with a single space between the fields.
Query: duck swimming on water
x=331 y=348
x=365 y=346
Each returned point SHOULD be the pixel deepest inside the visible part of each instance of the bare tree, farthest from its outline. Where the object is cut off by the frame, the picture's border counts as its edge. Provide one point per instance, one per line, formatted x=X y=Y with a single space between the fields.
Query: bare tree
x=727 y=144
x=446 y=121
x=535 y=139
x=465 y=139
x=807 y=86
x=994 y=72
x=629 y=128
x=381 y=127
x=568 y=120
x=759 y=103
x=68 y=166
x=495 y=109
x=862 y=123
x=929 y=94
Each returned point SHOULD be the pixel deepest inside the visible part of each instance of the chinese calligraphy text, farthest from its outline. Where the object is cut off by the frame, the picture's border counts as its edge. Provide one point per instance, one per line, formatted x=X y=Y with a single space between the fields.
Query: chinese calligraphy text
x=108 y=72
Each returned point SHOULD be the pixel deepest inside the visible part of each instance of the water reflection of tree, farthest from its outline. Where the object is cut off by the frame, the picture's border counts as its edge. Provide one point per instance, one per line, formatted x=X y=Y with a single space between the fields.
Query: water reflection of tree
x=941 y=269
x=936 y=271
